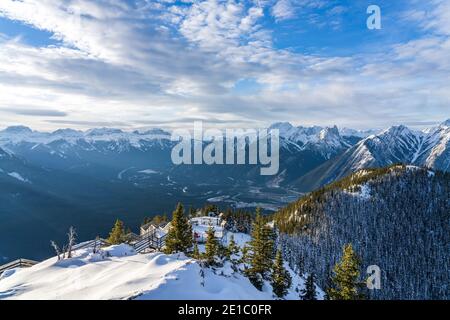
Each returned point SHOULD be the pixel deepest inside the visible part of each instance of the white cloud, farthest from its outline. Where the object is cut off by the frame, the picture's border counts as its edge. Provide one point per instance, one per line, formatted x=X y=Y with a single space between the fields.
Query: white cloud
x=431 y=16
x=160 y=60
x=283 y=10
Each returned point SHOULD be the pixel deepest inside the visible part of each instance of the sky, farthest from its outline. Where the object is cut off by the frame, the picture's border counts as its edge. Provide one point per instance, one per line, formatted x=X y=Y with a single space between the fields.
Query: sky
x=152 y=63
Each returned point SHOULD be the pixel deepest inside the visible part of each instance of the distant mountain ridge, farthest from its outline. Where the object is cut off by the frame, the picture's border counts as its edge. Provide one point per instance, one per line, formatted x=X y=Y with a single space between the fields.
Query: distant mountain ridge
x=309 y=156
x=397 y=144
x=302 y=149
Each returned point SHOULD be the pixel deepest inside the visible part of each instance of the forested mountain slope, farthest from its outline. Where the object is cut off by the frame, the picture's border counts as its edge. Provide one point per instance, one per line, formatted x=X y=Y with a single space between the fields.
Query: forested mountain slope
x=397 y=218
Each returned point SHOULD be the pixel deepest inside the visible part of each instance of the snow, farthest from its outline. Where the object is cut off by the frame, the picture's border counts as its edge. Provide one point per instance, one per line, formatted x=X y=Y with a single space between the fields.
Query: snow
x=395 y=144
x=399 y=144
x=121 y=173
x=217 y=199
x=241 y=239
x=187 y=284
x=200 y=231
x=363 y=193
x=16 y=135
x=411 y=167
x=348 y=132
x=17 y=176
x=148 y=171
x=118 y=273
x=430 y=173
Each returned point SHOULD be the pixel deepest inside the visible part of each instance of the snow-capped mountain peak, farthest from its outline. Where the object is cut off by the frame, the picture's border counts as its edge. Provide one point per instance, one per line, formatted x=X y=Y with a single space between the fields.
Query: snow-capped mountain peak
x=103 y=131
x=14 y=136
x=329 y=133
x=17 y=130
x=397 y=131
x=284 y=127
x=156 y=131
x=446 y=123
x=348 y=132
x=397 y=144
x=67 y=132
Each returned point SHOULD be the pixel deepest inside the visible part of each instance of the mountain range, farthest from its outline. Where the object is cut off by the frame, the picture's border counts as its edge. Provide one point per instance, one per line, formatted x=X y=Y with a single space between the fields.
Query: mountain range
x=322 y=154
x=89 y=178
x=429 y=148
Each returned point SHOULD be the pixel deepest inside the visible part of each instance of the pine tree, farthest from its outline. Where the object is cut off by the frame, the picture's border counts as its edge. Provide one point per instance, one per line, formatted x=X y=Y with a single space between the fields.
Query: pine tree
x=196 y=252
x=261 y=251
x=309 y=292
x=211 y=247
x=179 y=237
x=245 y=258
x=345 y=281
x=117 y=234
x=232 y=248
x=192 y=212
x=281 y=279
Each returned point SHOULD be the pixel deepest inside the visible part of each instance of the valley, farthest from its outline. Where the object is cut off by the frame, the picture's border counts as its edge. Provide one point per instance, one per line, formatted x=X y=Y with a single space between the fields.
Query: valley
x=52 y=180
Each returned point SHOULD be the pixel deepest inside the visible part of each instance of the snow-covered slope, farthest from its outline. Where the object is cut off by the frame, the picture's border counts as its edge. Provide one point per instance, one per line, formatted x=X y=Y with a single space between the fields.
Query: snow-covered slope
x=4 y=154
x=398 y=144
x=117 y=272
x=326 y=141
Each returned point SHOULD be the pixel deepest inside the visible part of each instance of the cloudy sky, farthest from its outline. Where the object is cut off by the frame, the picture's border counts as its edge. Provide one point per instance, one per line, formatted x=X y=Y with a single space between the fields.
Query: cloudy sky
x=147 y=63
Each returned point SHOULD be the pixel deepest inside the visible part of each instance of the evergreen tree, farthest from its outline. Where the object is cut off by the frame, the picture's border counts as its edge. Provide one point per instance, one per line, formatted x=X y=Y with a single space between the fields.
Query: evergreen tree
x=281 y=279
x=192 y=212
x=179 y=238
x=261 y=251
x=245 y=258
x=232 y=248
x=157 y=220
x=211 y=246
x=117 y=234
x=145 y=221
x=309 y=292
x=196 y=252
x=345 y=281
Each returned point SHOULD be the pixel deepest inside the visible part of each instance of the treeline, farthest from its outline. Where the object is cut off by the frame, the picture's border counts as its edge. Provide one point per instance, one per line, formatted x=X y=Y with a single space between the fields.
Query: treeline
x=237 y=220
x=256 y=260
x=261 y=259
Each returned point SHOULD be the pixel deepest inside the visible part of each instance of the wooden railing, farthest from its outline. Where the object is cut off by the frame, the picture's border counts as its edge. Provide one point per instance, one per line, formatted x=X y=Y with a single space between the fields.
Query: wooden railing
x=141 y=243
x=98 y=243
x=19 y=263
x=149 y=241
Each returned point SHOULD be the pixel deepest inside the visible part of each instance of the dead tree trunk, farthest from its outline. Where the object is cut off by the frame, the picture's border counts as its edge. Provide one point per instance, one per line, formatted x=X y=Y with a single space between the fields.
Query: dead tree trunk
x=72 y=237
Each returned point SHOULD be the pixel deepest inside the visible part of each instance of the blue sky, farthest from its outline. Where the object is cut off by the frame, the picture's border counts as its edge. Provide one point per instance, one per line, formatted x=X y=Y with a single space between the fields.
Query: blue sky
x=140 y=63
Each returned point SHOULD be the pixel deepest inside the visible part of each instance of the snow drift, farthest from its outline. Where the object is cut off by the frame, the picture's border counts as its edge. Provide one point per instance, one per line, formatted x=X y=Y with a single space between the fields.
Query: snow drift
x=118 y=273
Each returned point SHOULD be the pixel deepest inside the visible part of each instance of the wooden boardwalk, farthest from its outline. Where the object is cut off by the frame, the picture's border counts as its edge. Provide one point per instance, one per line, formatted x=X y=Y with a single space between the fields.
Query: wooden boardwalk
x=97 y=243
x=141 y=244
x=150 y=241
x=19 y=263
